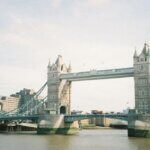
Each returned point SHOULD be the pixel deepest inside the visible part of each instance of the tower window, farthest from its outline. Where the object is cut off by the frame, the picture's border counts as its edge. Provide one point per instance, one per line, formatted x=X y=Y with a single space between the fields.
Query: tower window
x=141 y=93
x=141 y=67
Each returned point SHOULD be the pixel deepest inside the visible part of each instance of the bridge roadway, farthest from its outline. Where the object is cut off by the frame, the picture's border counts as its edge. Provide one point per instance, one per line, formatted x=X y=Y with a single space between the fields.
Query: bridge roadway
x=99 y=74
x=67 y=118
x=72 y=118
x=18 y=117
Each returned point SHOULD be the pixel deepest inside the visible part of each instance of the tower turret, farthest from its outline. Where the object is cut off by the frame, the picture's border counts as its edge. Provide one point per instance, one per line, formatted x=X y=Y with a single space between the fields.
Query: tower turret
x=135 y=57
x=49 y=66
x=145 y=49
x=59 y=62
x=135 y=53
x=49 y=63
x=70 y=68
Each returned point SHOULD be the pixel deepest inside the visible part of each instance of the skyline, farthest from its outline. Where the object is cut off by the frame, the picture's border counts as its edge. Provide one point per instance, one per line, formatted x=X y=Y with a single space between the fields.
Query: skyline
x=91 y=34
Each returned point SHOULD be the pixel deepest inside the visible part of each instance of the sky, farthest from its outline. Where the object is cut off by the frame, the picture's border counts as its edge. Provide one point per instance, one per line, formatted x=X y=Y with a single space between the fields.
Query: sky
x=91 y=34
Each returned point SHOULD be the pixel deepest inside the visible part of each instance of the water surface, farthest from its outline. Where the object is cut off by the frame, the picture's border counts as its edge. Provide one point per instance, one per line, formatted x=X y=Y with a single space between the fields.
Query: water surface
x=103 y=139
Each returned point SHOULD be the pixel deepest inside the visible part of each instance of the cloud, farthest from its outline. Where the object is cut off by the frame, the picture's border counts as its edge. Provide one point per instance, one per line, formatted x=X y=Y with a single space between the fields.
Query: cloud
x=25 y=31
x=91 y=4
x=96 y=3
x=14 y=78
x=88 y=32
x=56 y=3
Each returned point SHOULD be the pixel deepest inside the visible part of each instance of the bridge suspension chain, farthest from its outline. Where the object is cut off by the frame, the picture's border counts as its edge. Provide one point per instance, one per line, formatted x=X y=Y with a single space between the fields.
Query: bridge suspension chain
x=24 y=106
x=36 y=107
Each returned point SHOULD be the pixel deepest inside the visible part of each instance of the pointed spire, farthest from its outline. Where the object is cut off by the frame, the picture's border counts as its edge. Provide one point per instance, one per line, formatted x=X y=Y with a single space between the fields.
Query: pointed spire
x=135 y=53
x=49 y=63
x=69 y=68
x=145 y=49
x=59 y=60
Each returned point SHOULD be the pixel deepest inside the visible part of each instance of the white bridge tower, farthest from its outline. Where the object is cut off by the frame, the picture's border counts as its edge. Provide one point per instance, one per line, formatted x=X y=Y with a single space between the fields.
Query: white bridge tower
x=59 y=91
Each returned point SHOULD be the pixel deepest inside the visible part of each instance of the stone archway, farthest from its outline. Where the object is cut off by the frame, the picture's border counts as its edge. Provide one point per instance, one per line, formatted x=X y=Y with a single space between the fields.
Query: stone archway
x=62 y=110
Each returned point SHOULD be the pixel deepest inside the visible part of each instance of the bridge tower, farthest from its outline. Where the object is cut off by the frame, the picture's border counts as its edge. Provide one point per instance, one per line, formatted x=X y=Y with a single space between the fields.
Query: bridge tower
x=58 y=104
x=59 y=91
x=142 y=80
x=139 y=120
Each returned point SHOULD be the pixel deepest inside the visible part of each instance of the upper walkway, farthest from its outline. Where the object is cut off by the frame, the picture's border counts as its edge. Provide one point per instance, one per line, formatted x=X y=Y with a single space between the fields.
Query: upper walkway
x=99 y=74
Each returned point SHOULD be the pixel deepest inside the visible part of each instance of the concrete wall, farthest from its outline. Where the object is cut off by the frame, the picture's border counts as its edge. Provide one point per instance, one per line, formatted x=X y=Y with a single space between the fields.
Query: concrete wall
x=84 y=122
x=53 y=124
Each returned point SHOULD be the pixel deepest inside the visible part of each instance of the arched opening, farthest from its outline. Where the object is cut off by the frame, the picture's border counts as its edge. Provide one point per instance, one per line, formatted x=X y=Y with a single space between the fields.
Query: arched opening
x=62 y=110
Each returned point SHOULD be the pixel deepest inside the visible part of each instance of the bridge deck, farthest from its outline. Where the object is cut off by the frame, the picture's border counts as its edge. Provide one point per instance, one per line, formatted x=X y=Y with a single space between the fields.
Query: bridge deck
x=19 y=117
x=99 y=74
x=72 y=118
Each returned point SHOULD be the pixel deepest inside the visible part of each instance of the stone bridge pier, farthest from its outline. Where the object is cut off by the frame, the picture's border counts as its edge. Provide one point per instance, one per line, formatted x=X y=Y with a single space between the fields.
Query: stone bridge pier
x=55 y=124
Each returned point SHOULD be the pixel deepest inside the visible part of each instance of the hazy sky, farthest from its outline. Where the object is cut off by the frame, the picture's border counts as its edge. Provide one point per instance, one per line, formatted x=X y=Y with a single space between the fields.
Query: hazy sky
x=92 y=34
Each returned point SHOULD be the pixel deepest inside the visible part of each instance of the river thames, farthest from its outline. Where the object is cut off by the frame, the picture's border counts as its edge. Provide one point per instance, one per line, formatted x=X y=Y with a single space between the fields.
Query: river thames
x=101 y=139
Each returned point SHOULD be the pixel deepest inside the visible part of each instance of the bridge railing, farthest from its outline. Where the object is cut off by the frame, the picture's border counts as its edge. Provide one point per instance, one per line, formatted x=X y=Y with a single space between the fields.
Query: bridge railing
x=72 y=118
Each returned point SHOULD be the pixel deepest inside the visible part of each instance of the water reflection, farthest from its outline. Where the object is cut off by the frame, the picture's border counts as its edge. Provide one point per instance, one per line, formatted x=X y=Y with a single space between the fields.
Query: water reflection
x=139 y=143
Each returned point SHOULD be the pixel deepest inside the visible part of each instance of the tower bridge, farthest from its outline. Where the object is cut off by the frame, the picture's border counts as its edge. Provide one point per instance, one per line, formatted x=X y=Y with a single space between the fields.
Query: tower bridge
x=60 y=79
x=57 y=114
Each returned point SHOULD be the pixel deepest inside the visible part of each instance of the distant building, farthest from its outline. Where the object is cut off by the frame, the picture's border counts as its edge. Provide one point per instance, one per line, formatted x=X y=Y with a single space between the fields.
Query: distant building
x=126 y=111
x=8 y=103
x=76 y=112
x=26 y=96
x=96 y=112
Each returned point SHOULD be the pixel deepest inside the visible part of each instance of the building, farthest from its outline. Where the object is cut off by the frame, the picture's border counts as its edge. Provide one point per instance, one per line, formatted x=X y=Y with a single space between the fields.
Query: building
x=126 y=111
x=96 y=112
x=142 y=80
x=8 y=103
x=26 y=96
x=59 y=92
x=76 y=112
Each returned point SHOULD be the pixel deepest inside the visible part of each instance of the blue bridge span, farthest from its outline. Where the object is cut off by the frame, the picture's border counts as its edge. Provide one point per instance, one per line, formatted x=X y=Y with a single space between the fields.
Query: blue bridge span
x=67 y=118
